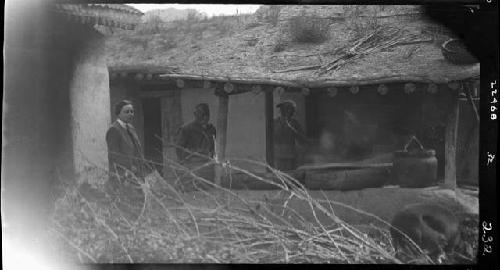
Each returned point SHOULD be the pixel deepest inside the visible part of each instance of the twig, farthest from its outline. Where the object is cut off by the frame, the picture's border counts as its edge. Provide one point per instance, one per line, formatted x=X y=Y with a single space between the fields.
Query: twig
x=297 y=68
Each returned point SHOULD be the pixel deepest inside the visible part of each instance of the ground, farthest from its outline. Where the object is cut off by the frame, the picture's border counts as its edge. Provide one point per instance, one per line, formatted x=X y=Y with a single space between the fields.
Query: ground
x=287 y=225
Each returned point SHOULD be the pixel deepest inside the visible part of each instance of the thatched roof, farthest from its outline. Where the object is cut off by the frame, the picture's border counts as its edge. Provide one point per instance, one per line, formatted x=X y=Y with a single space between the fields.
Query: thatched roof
x=110 y=15
x=401 y=47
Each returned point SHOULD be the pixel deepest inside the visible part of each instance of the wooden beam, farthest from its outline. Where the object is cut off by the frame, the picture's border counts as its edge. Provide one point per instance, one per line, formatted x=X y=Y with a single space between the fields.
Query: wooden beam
x=471 y=73
x=450 y=152
x=156 y=94
x=221 y=136
x=332 y=91
x=269 y=100
x=344 y=166
x=139 y=76
x=382 y=89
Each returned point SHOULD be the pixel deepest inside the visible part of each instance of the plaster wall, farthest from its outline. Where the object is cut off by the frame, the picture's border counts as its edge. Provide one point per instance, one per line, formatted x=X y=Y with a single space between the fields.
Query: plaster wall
x=246 y=130
x=90 y=101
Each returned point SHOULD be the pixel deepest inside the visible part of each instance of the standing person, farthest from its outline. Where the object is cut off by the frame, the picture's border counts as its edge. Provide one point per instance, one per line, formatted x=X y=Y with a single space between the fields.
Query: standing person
x=287 y=132
x=195 y=142
x=124 y=149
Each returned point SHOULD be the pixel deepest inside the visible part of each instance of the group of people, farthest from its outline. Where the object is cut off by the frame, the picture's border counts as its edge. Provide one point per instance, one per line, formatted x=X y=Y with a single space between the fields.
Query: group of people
x=195 y=142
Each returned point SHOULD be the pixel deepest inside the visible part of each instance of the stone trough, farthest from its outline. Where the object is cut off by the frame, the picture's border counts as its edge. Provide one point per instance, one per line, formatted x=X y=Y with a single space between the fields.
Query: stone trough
x=376 y=203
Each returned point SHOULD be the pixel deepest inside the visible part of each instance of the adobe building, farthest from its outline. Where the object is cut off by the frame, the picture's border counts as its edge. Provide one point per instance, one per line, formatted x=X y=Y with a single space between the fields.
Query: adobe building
x=55 y=104
x=362 y=86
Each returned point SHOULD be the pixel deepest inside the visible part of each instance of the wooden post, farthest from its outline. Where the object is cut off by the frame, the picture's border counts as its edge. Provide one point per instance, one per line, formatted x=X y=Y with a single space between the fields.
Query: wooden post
x=221 y=135
x=171 y=121
x=450 y=152
x=269 y=128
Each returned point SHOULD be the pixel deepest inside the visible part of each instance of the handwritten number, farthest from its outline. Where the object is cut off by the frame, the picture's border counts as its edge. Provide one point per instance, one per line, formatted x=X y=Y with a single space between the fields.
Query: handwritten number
x=489 y=239
x=487 y=226
x=487 y=249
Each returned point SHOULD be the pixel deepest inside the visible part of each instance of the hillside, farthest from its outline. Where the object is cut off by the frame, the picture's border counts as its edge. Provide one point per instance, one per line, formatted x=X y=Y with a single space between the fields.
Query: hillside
x=172 y=14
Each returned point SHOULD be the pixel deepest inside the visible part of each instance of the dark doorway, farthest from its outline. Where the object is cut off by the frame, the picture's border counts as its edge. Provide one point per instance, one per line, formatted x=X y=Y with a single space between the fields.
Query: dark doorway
x=152 y=131
x=312 y=124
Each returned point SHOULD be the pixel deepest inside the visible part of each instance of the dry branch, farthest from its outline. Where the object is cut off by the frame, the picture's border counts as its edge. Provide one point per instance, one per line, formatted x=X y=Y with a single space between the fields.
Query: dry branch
x=220 y=225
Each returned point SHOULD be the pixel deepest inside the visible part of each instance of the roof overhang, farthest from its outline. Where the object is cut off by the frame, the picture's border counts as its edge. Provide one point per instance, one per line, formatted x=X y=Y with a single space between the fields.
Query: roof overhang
x=109 y=15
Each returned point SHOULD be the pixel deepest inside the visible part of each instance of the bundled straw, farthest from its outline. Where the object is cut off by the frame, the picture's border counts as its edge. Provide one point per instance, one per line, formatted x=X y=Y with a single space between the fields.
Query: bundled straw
x=158 y=223
x=380 y=39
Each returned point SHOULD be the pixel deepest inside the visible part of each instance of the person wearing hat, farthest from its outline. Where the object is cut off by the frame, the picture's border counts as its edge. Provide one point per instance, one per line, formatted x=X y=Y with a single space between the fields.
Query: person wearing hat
x=196 y=142
x=125 y=152
x=287 y=132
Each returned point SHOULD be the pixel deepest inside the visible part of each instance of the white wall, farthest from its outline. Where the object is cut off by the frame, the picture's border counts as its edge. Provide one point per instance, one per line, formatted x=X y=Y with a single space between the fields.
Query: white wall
x=246 y=138
x=90 y=106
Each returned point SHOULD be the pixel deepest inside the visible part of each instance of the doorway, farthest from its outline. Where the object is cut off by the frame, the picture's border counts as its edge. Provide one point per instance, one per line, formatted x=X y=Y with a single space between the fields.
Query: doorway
x=152 y=131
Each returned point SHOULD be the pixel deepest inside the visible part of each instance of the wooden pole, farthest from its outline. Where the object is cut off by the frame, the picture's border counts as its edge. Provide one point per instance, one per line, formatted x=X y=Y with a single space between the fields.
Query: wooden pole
x=221 y=135
x=450 y=154
x=269 y=128
x=171 y=121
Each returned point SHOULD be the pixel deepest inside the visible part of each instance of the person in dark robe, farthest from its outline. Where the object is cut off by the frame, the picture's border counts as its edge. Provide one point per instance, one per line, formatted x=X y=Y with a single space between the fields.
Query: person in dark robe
x=196 y=143
x=287 y=132
x=196 y=139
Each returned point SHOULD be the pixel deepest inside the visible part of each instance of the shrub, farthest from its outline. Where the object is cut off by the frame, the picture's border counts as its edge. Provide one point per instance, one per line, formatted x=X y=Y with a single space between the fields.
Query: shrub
x=193 y=16
x=137 y=41
x=224 y=24
x=268 y=14
x=279 y=46
x=252 y=42
x=167 y=43
x=273 y=15
x=309 y=29
x=253 y=25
